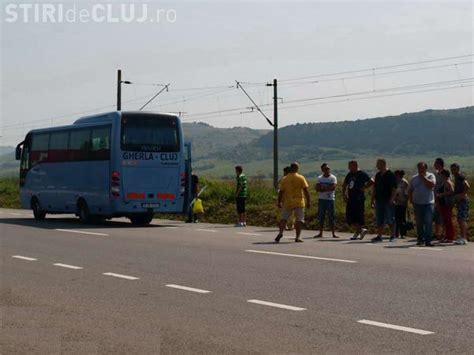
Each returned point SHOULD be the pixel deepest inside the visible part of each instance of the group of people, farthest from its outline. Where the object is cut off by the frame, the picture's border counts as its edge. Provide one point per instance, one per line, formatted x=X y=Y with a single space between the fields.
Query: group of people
x=433 y=196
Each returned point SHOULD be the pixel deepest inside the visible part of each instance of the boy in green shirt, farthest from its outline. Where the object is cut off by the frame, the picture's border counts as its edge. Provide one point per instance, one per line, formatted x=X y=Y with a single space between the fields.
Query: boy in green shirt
x=241 y=193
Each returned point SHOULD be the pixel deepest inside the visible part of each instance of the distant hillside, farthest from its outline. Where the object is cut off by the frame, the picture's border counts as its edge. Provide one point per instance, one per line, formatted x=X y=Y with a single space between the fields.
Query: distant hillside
x=208 y=141
x=443 y=132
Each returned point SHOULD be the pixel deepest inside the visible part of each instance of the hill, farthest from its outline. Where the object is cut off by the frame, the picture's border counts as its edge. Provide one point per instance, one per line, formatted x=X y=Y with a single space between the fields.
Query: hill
x=431 y=132
x=208 y=141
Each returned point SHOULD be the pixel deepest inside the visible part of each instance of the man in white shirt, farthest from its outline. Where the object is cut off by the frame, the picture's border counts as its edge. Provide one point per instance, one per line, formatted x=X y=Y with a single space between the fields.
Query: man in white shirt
x=326 y=186
x=421 y=195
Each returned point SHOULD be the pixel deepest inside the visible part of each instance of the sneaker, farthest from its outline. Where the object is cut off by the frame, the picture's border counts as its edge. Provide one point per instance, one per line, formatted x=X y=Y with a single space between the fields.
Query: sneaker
x=355 y=236
x=445 y=241
x=460 y=241
x=278 y=237
x=244 y=224
x=377 y=239
x=362 y=233
x=393 y=239
x=298 y=240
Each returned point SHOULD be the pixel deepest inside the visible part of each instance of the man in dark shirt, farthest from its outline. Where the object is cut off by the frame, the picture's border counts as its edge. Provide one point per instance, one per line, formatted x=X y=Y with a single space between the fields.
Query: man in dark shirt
x=355 y=184
x=461 y=187
x=383 y=197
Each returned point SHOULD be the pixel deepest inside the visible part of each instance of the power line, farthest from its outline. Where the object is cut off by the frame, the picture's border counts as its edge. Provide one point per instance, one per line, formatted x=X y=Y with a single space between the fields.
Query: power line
x=378 y=68
x=406 y=87
x=338 y=101
x=193 y=97
x=376 y=74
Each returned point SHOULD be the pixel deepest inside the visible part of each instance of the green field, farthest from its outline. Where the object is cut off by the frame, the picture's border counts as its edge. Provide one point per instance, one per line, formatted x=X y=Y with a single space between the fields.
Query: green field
x=263 y=168
x=218 y=200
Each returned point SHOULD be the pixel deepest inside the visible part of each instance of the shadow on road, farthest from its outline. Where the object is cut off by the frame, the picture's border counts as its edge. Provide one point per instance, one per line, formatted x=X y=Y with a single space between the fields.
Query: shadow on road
x=64 y=223
x=272 y=242
x=406 y=246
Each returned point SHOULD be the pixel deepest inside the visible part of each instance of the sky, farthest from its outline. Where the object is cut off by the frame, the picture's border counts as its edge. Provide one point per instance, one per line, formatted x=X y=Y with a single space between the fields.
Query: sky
x=54 y=72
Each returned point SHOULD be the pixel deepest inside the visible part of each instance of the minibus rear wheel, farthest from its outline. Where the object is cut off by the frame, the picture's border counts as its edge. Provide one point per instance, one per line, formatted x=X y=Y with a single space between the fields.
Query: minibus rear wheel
x=38 y=213
x=141 y=219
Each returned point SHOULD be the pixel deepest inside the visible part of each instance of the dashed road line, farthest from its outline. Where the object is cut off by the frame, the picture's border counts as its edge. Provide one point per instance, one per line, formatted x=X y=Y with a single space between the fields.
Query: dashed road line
x=120 y=276
x=81 y=232
x=252 y=234
x=301 y=256
x=277 y=305
x=206 y=230
x=69 y=266
x=396 y=327
x=185 y=288
x=27 y=258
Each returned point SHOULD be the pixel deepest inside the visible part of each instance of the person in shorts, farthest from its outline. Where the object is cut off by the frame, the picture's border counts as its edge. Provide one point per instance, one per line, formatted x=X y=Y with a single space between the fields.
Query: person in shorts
x=383 y=198
x=326 y=187
x=293 y=198
x=461 y=187
x=353 y=188
x=241 y=192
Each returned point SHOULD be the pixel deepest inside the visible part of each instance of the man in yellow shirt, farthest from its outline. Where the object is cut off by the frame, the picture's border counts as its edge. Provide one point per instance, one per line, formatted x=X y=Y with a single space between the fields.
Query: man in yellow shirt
x=293 y=197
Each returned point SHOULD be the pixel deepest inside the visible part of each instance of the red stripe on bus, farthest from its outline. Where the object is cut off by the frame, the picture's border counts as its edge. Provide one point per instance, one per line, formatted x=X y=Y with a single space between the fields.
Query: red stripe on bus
x=135 y=195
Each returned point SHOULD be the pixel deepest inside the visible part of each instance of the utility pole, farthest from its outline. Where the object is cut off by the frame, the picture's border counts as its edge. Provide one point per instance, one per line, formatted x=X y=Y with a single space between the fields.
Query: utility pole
x=119 y=90
x=275 y=134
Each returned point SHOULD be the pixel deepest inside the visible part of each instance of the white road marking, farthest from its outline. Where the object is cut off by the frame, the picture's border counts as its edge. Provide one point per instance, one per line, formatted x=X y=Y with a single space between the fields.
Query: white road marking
x=396 y=327
x=253 y=234
x=23 y=258
x=16 y=214
x=277 y=305
x=185 y=288
x=68 y=266
x=427 y=248
x=301 y=256
x=206 y=230
x=81 y=232
x=126 y=277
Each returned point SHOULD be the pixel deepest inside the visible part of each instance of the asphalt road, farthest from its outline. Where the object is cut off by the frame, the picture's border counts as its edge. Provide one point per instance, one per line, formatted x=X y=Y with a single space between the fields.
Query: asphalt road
x=198 y=288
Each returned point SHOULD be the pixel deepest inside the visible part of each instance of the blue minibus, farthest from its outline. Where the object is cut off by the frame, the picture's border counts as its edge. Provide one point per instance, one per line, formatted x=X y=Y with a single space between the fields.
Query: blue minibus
x=116 y=164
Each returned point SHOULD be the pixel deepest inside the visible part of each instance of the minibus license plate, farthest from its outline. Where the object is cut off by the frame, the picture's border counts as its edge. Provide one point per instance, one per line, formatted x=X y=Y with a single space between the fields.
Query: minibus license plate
x=150 y=205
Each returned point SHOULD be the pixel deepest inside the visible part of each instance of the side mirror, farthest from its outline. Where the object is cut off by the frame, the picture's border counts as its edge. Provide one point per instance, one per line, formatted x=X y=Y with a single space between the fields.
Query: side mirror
x=18 y=151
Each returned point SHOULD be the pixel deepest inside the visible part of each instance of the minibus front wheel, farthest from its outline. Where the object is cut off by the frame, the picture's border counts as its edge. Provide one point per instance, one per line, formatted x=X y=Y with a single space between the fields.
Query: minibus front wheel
x=38 y=213
x=83 y=211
